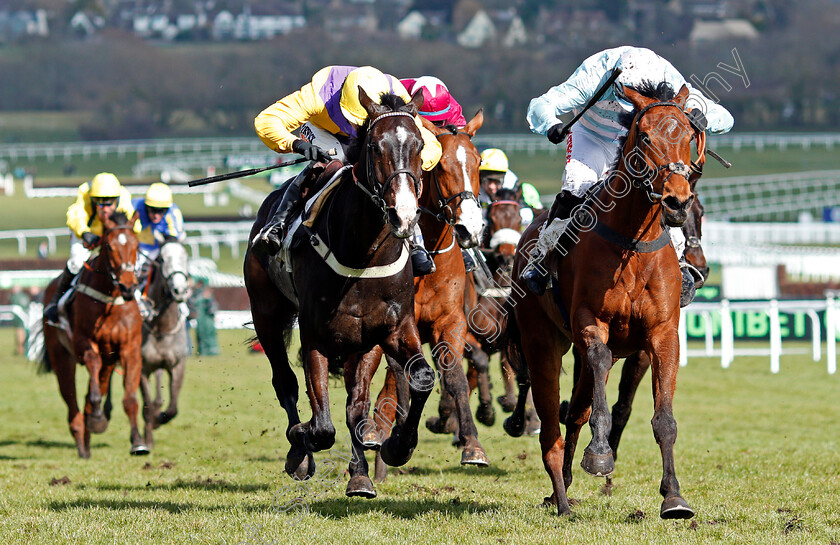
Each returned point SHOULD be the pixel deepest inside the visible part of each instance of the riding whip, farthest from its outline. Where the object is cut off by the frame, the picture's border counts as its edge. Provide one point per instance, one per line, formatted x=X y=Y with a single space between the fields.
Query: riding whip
x=249 y=172
x=595 y=98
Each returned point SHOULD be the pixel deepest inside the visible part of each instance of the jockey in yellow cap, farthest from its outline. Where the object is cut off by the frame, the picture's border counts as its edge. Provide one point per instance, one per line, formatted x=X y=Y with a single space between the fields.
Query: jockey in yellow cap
x=96 y=200
x=328 y=112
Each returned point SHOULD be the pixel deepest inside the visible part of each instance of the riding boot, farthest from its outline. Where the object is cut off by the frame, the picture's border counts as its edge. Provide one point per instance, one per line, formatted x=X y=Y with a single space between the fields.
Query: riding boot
x=64 y=281
x=270 y=237
x=469 y=262
x=421 y=260
x=534 y=275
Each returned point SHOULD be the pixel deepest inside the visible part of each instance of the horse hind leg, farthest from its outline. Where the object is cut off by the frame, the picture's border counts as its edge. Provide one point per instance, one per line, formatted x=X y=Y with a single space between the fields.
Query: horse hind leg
x=148 y=410
x=632 y=373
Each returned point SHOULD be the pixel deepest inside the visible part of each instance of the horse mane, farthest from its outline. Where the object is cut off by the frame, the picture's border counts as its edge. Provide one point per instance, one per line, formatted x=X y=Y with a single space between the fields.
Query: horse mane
x=389 y=100
x=119 y=218
x=506 y=195
x=662 y=92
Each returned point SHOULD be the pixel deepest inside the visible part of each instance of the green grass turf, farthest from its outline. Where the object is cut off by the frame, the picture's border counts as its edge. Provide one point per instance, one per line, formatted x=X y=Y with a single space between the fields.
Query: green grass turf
x=757 y=458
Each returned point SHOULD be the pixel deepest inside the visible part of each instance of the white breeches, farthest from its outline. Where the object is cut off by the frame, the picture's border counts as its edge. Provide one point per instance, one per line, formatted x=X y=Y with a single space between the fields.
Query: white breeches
x=588 y=159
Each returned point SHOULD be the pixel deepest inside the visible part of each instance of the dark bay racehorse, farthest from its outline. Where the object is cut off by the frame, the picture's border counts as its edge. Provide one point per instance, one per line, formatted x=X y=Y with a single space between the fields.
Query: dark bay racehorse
x=616 y=292
x=452 y=221
x=105 y=327
x=350 y=287
x=165 y=342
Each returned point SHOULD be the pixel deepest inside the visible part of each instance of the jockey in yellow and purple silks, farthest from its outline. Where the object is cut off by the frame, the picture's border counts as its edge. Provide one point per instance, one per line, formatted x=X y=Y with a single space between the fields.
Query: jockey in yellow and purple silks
x=96 y=200
x=328 y=112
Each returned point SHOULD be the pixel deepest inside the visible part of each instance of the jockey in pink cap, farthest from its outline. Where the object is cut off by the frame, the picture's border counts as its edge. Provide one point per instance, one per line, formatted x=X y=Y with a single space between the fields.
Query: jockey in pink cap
x=438 y=105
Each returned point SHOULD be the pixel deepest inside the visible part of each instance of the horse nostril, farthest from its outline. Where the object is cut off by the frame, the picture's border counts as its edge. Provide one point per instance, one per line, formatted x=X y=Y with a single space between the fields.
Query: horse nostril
x=393 y=217
x=461 y=232
x=672 y=203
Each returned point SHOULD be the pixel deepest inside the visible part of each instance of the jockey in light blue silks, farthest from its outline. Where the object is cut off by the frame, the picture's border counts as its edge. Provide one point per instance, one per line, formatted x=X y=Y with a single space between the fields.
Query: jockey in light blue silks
x=159 y=218
x=592 y=146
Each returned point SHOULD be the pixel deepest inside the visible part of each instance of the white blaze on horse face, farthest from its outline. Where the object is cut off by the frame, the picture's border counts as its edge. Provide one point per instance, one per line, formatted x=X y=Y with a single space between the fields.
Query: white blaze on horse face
x=121 y=238
x=470 y=216
x=405 y=203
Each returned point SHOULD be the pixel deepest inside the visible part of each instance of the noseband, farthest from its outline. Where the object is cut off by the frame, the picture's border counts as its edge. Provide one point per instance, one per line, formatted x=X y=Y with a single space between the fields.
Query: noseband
x=446 y=214
x=377 y=195
x=679 y=168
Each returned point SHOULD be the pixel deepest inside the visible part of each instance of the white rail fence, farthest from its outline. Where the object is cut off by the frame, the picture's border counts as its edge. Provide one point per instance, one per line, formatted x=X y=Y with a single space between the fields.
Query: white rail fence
x=726 y=349
x=526 y=142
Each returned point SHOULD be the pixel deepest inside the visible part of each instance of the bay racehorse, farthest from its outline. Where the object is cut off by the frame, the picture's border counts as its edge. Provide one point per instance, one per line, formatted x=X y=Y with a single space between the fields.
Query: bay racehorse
x=615 y=292
x=165 y=344
x=452 y=220
x=348 y=281
x=104 y=330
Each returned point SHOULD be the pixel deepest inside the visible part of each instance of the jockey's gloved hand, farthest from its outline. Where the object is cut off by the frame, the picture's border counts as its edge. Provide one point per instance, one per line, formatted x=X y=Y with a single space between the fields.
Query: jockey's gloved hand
x=697 y=119
x=310 y=151
x=553 y=133
x=89 y=240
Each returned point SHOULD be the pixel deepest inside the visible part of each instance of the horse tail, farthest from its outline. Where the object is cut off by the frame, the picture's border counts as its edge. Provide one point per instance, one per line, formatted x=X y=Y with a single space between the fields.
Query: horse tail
x=511 y=343
x=36 y=349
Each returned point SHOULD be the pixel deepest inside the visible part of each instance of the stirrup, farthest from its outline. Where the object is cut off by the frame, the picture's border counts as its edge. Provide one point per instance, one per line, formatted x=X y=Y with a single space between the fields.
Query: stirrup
x=469 y=262
x=269 y=240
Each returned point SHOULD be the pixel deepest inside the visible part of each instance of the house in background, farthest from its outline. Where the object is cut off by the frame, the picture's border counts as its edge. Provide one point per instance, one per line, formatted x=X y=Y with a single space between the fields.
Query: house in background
x=503 y=27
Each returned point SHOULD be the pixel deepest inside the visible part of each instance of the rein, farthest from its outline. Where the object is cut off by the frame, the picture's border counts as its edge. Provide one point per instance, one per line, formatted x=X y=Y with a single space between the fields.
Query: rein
x=115 y=282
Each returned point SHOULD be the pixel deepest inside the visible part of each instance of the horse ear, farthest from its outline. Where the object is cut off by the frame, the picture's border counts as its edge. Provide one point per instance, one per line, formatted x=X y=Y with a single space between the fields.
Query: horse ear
x=431 y=127
x=681 y=97
x=637 y=99
x=475 y=123
x=365 y=100
x=134 y=217
x=416 y=101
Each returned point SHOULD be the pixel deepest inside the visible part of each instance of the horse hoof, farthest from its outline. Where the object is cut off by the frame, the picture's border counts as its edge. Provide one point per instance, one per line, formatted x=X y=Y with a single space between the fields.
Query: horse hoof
x=300 y=468
x=599 y=465
x=371 y=441
x=486 y=414
x=97 y=424
x=360 y=486
x=393 y=456
x=675 y=508
x=474 y=457
x=435 y=425
x=514 y=427
x=507 y=403
x=139 y=450
x=163 y=418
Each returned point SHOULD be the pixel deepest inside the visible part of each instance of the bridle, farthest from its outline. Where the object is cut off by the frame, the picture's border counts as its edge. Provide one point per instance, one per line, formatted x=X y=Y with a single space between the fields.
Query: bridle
x=445 y=213
x=679 y=167
x=377 y=195
x=106 y=250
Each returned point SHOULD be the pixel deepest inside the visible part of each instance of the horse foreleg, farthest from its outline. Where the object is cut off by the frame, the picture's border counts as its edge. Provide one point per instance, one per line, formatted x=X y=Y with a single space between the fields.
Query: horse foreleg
x=319 y=433
x=95 y=420
x=404 y=347
x=176 y=380
x=480 y=373
x=448 y=352
x=664 y=362
x=158 y=402
x=132 y=369
x=64 y=367
x=148 y=409
x=357 y=376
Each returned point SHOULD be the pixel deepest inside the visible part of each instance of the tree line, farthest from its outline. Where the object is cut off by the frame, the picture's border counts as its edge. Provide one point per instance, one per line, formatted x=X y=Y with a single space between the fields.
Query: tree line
x=137 y=89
